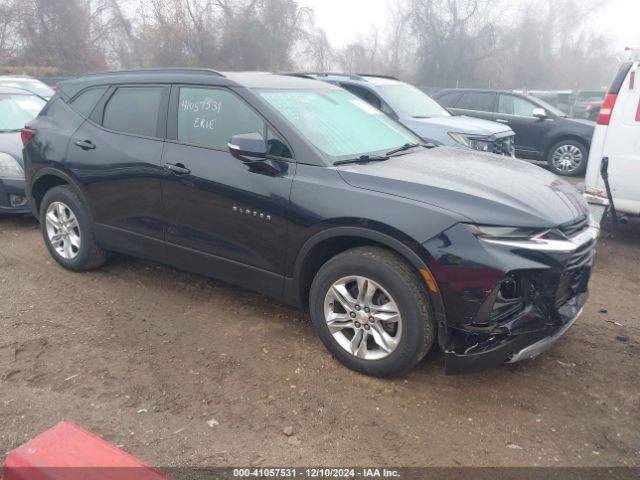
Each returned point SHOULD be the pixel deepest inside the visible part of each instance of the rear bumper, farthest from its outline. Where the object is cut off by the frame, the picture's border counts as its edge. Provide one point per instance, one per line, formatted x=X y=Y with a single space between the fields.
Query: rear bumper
x=12 y=197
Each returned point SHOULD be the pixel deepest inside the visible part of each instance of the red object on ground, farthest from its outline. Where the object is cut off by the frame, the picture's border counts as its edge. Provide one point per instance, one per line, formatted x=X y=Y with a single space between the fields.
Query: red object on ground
x=68 y=452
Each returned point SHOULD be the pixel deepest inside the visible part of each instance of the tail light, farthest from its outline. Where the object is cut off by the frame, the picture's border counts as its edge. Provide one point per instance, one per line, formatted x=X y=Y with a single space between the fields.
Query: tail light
x=26 y=135
x=607 y=109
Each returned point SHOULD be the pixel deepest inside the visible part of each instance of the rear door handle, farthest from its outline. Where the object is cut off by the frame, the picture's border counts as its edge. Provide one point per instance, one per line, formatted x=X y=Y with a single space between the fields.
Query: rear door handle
x=86 y=144
x=177 y=168
x=502 y=120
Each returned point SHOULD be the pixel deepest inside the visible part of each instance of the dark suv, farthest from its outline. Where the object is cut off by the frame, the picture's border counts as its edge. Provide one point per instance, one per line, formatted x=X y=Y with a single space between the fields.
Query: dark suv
x=297 y=189
x=543 y=132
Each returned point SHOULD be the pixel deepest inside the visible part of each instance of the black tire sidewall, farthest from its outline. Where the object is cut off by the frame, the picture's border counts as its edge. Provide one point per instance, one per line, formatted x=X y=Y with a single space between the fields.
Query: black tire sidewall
x=415 y=329
x=88 y=247
x=580 y=170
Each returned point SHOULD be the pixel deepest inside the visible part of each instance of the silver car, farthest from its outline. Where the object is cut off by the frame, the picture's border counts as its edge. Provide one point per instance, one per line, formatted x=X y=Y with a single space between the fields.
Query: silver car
x=426 y=117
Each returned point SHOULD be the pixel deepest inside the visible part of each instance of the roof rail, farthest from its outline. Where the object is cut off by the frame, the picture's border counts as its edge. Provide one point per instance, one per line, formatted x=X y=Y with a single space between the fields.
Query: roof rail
x=390 y=77
x=353 y=76
x=158 y=70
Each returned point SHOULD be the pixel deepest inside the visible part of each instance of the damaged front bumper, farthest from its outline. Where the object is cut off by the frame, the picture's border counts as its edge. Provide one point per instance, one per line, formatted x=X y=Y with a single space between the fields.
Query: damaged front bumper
x=504 y=303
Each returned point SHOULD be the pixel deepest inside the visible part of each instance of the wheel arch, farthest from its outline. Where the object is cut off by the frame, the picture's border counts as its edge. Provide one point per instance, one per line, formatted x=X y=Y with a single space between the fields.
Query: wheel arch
x=562 y=137
x=48 y=178
x=322 y=246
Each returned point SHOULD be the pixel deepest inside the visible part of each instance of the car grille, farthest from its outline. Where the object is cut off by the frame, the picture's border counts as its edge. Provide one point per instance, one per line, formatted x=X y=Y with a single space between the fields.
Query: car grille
x=576 y=274
x=504 y=146
x=572 y=228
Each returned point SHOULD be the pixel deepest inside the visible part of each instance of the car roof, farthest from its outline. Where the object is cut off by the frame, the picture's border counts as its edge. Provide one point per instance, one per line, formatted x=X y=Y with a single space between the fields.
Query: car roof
x=16 y=91
x=198 y=76
x=16 y=77
x=354 y=78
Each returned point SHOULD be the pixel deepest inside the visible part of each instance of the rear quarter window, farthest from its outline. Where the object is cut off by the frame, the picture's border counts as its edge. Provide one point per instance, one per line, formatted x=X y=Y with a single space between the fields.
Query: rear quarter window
x=85 y=102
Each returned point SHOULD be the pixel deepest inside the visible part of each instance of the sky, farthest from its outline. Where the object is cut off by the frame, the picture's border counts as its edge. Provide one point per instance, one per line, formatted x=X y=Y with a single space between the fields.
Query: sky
x=346 y=20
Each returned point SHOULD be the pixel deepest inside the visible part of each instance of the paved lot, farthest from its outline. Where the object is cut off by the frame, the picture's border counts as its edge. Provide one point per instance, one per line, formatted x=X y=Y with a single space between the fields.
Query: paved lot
x=145 y=356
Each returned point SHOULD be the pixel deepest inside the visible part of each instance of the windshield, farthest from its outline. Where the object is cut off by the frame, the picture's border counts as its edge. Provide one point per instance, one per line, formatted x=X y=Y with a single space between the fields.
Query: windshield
x=408 y=101
x=338 y=123
x=16 y=110
x=29 y=84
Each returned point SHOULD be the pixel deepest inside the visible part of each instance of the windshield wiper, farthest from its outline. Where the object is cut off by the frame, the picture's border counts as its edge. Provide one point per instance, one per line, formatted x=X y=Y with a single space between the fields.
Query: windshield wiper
x=406 y=146
x=362 y=159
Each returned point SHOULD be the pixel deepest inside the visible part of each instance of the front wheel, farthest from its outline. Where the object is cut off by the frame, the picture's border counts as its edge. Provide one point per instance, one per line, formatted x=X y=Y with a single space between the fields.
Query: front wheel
x=372 y=312
x=568 y=157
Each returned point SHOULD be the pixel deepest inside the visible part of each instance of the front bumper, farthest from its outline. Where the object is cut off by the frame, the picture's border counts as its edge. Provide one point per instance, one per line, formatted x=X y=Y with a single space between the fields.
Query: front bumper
x=486 y=324
x=535 y=349
x=13 y=199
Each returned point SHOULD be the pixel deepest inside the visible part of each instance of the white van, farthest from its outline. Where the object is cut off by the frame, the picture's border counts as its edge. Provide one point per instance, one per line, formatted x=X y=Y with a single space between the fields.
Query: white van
x=617 y=136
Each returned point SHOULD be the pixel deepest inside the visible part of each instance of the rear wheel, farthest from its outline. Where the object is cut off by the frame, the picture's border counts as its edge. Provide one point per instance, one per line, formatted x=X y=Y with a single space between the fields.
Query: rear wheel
x=568 y=157
x=372 y=312
x=67 y=230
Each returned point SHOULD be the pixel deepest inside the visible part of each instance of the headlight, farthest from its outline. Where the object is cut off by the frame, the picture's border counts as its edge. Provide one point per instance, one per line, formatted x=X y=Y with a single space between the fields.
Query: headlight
x=490 y=231
x=476 y=143
x=549 y=240
x=10 y=169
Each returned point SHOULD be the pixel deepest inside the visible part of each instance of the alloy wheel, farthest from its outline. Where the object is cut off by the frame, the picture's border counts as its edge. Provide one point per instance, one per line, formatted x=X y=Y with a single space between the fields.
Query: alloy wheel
x=567 y=158
x=63 y=230
x=363 y=317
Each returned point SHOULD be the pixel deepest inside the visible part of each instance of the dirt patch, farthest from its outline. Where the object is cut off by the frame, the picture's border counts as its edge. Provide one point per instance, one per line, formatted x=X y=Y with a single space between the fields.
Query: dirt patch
x=147 y=356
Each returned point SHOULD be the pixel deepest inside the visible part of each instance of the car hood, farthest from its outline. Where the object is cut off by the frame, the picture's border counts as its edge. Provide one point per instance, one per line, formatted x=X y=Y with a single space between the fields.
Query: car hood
x=11 y=143
x=458 y=124
x=487 y=189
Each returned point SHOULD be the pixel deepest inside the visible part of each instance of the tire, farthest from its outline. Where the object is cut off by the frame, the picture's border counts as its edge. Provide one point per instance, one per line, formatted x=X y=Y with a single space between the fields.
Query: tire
x=388 y=277
x=77 y=251
x=562 y=156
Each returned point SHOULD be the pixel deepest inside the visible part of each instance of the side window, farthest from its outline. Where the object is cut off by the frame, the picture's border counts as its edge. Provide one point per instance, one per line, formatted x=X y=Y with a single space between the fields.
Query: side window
x=480 y=101
x=449 y=99
x=276 y=146
x=133 y=110
x=210 y=117
x=86 y=101
x=510 y=105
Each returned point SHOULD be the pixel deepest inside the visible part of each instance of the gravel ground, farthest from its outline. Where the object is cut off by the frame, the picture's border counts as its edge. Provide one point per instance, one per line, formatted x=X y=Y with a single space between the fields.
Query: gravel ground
x=181 y=370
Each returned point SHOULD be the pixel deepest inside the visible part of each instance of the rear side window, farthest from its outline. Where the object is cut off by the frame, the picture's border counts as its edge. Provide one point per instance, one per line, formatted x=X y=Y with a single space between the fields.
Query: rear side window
x=133 y=110
x=449 y=99
x=480 y=101
x=86 y=101
x=211 y=116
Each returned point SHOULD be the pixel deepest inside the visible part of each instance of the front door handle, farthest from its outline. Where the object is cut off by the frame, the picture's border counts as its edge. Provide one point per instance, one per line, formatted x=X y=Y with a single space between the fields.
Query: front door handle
x=177 y=168
x=86 y=144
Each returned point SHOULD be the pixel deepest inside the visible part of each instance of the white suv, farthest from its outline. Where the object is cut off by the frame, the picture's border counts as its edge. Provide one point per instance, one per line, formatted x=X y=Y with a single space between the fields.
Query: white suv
x=617 y=137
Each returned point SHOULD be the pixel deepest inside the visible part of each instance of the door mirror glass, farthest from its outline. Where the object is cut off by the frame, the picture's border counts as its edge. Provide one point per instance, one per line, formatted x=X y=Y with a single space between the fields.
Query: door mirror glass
x=248 y=147
x=540 y=113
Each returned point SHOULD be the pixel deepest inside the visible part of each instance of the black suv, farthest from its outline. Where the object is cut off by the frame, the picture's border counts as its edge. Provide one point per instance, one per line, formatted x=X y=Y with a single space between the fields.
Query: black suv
x=297 y=189
x=543 y=132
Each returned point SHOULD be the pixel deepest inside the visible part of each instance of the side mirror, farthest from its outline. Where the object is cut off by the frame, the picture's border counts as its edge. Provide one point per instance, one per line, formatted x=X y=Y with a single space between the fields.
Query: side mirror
x=540 y=113
x=248 y=147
